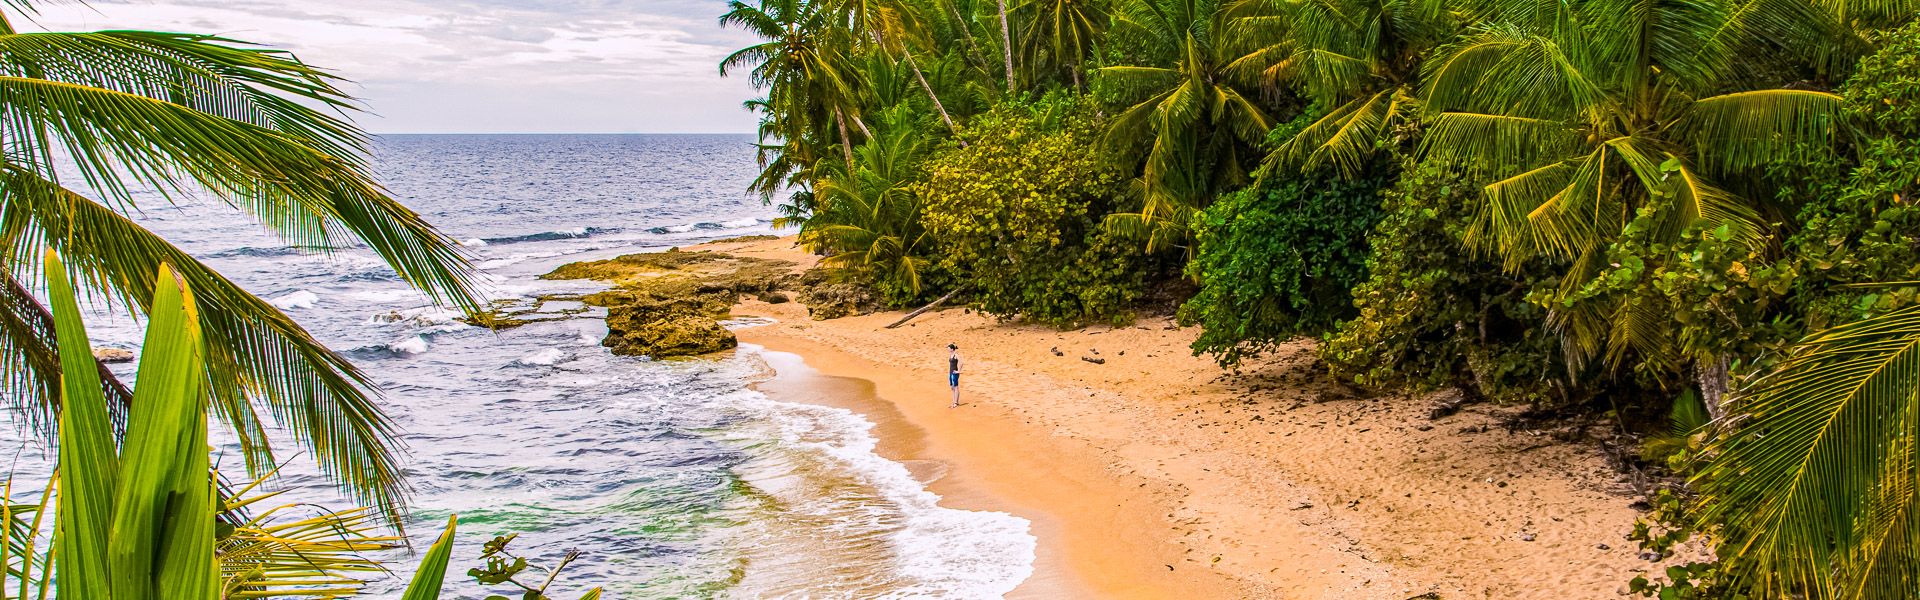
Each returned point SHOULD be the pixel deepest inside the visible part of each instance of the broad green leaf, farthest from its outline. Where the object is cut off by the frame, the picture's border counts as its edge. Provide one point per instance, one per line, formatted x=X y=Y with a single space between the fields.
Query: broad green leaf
x=433 y=568
x=88 y=465
x=162 y=544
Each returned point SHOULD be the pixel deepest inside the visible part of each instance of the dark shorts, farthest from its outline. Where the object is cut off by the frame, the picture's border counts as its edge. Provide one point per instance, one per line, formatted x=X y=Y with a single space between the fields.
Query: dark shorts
x=953 y=380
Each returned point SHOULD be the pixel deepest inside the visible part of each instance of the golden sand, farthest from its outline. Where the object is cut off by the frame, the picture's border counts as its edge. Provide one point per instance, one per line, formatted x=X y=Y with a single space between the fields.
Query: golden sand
x=1155 y=475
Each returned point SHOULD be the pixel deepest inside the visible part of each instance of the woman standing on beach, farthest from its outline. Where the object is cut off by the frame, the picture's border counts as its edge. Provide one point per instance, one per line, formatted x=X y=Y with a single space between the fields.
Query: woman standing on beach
x=953 y=373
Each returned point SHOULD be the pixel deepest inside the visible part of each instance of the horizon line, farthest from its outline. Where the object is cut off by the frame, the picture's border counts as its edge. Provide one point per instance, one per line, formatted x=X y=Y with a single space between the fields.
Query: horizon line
x=562 y=133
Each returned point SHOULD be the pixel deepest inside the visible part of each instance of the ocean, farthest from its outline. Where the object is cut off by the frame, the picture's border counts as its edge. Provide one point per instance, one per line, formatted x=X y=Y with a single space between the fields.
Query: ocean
x=674 y=479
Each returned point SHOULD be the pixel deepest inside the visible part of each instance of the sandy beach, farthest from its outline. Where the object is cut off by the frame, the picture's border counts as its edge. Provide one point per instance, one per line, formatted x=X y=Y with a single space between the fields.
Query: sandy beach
x=1157 y=474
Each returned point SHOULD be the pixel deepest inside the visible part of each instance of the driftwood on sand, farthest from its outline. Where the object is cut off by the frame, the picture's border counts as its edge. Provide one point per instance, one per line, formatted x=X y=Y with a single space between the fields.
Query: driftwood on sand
x=929 y=306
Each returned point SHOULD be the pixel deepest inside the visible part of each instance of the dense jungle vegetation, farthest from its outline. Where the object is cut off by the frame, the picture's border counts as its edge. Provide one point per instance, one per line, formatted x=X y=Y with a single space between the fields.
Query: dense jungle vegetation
x=1693 y=214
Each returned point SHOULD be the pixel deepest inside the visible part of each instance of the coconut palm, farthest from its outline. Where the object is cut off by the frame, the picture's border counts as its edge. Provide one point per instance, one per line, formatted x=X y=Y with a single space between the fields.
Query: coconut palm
x=865 y=218
x=803 y=65
x=253 y=127
x=893 y=26
x=1192 y=120
x=1356 y=59
x=1590 y=116
x=1061 y=34
x=1815 y=488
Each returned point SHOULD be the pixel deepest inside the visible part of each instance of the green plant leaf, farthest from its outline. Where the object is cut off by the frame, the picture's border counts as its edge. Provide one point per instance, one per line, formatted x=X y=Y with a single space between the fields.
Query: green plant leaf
x=89 y=467
x=162 y=536
x=433 y=568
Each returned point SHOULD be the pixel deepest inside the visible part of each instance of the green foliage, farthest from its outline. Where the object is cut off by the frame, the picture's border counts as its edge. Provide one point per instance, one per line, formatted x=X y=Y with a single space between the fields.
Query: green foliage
x=1550 y=108
x=1883 y=85
x=1430 y=313
x=1815 y=484
x=1187 y=124
x=1015 y=216
x=502 y=567
x=1279 y=259
x=866 y=217
x=1856 y=215
x=144 y=520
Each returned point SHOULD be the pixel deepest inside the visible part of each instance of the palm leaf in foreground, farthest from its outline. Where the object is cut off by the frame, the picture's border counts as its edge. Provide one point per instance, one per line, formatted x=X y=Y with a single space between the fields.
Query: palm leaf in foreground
x=261 y=131
x=136 y=525
x=319 y=556
x=433 y=568
x=1815 y=490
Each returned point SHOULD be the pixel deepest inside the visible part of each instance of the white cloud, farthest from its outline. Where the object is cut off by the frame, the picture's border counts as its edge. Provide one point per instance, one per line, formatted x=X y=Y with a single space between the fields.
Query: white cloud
x=482 y=65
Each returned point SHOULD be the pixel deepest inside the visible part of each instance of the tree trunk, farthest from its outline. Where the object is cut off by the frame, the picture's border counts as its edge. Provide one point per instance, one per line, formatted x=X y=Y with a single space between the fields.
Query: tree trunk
x=907 y=55
x=937 y=106
x=923 y=309
x=846 y=142
x=1076 y=80
x=1006 y=43
x=973 y=48
x=1714 y=381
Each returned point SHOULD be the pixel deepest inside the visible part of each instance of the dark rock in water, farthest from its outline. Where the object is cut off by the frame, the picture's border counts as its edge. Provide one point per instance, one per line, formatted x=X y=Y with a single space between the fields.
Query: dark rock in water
x=674 y=336
x=112 y=355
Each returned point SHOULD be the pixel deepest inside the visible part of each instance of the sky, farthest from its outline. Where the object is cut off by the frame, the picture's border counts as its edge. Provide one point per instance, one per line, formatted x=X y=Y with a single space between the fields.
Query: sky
x=481 y=66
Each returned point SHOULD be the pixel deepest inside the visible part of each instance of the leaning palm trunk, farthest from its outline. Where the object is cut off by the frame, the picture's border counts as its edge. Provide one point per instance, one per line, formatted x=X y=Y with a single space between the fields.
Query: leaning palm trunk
x=907 y=55
x=846 y=141
x=974 y=55
x=937 y=106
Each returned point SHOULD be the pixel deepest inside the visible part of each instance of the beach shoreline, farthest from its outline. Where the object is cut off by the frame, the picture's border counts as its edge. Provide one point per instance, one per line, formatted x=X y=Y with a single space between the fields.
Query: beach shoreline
x=1155 y=474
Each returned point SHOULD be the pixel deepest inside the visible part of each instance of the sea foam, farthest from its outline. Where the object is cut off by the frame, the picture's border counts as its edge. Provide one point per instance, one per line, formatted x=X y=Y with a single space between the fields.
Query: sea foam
x=297 y=299
x=938 y=551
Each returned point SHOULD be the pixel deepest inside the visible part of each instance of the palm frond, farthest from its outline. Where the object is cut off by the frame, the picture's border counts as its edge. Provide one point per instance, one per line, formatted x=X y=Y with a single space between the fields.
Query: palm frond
x=1813 y=487
x=253 y=350
x=308 y=196
x=1743 y=131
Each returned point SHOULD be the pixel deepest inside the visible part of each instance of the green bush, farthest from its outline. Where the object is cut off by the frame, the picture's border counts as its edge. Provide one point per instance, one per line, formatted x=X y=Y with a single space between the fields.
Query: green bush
x=1858 y=222
x=1279 y=259
x=1432 y=313
x=1014 y=216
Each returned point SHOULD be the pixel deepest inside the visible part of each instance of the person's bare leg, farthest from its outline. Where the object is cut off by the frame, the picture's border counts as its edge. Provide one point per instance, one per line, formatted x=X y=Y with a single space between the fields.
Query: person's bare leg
x=956 y=398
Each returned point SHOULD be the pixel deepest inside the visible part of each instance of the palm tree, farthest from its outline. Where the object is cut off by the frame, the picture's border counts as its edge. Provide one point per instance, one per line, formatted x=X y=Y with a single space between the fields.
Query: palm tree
x=1193 y=120
x=803 y=65
x=866 y=219
x=892 y=25
x=1064 y=32
x=1815 y=488
x=1591 y=116
x=253 y=127
x=1356 y=59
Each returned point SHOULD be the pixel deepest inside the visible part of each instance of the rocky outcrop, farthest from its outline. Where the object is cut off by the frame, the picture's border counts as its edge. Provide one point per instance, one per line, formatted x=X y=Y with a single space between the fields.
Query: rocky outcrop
x=113 y=355
x=827 y=298
x=671 y=303
x=672 y=336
